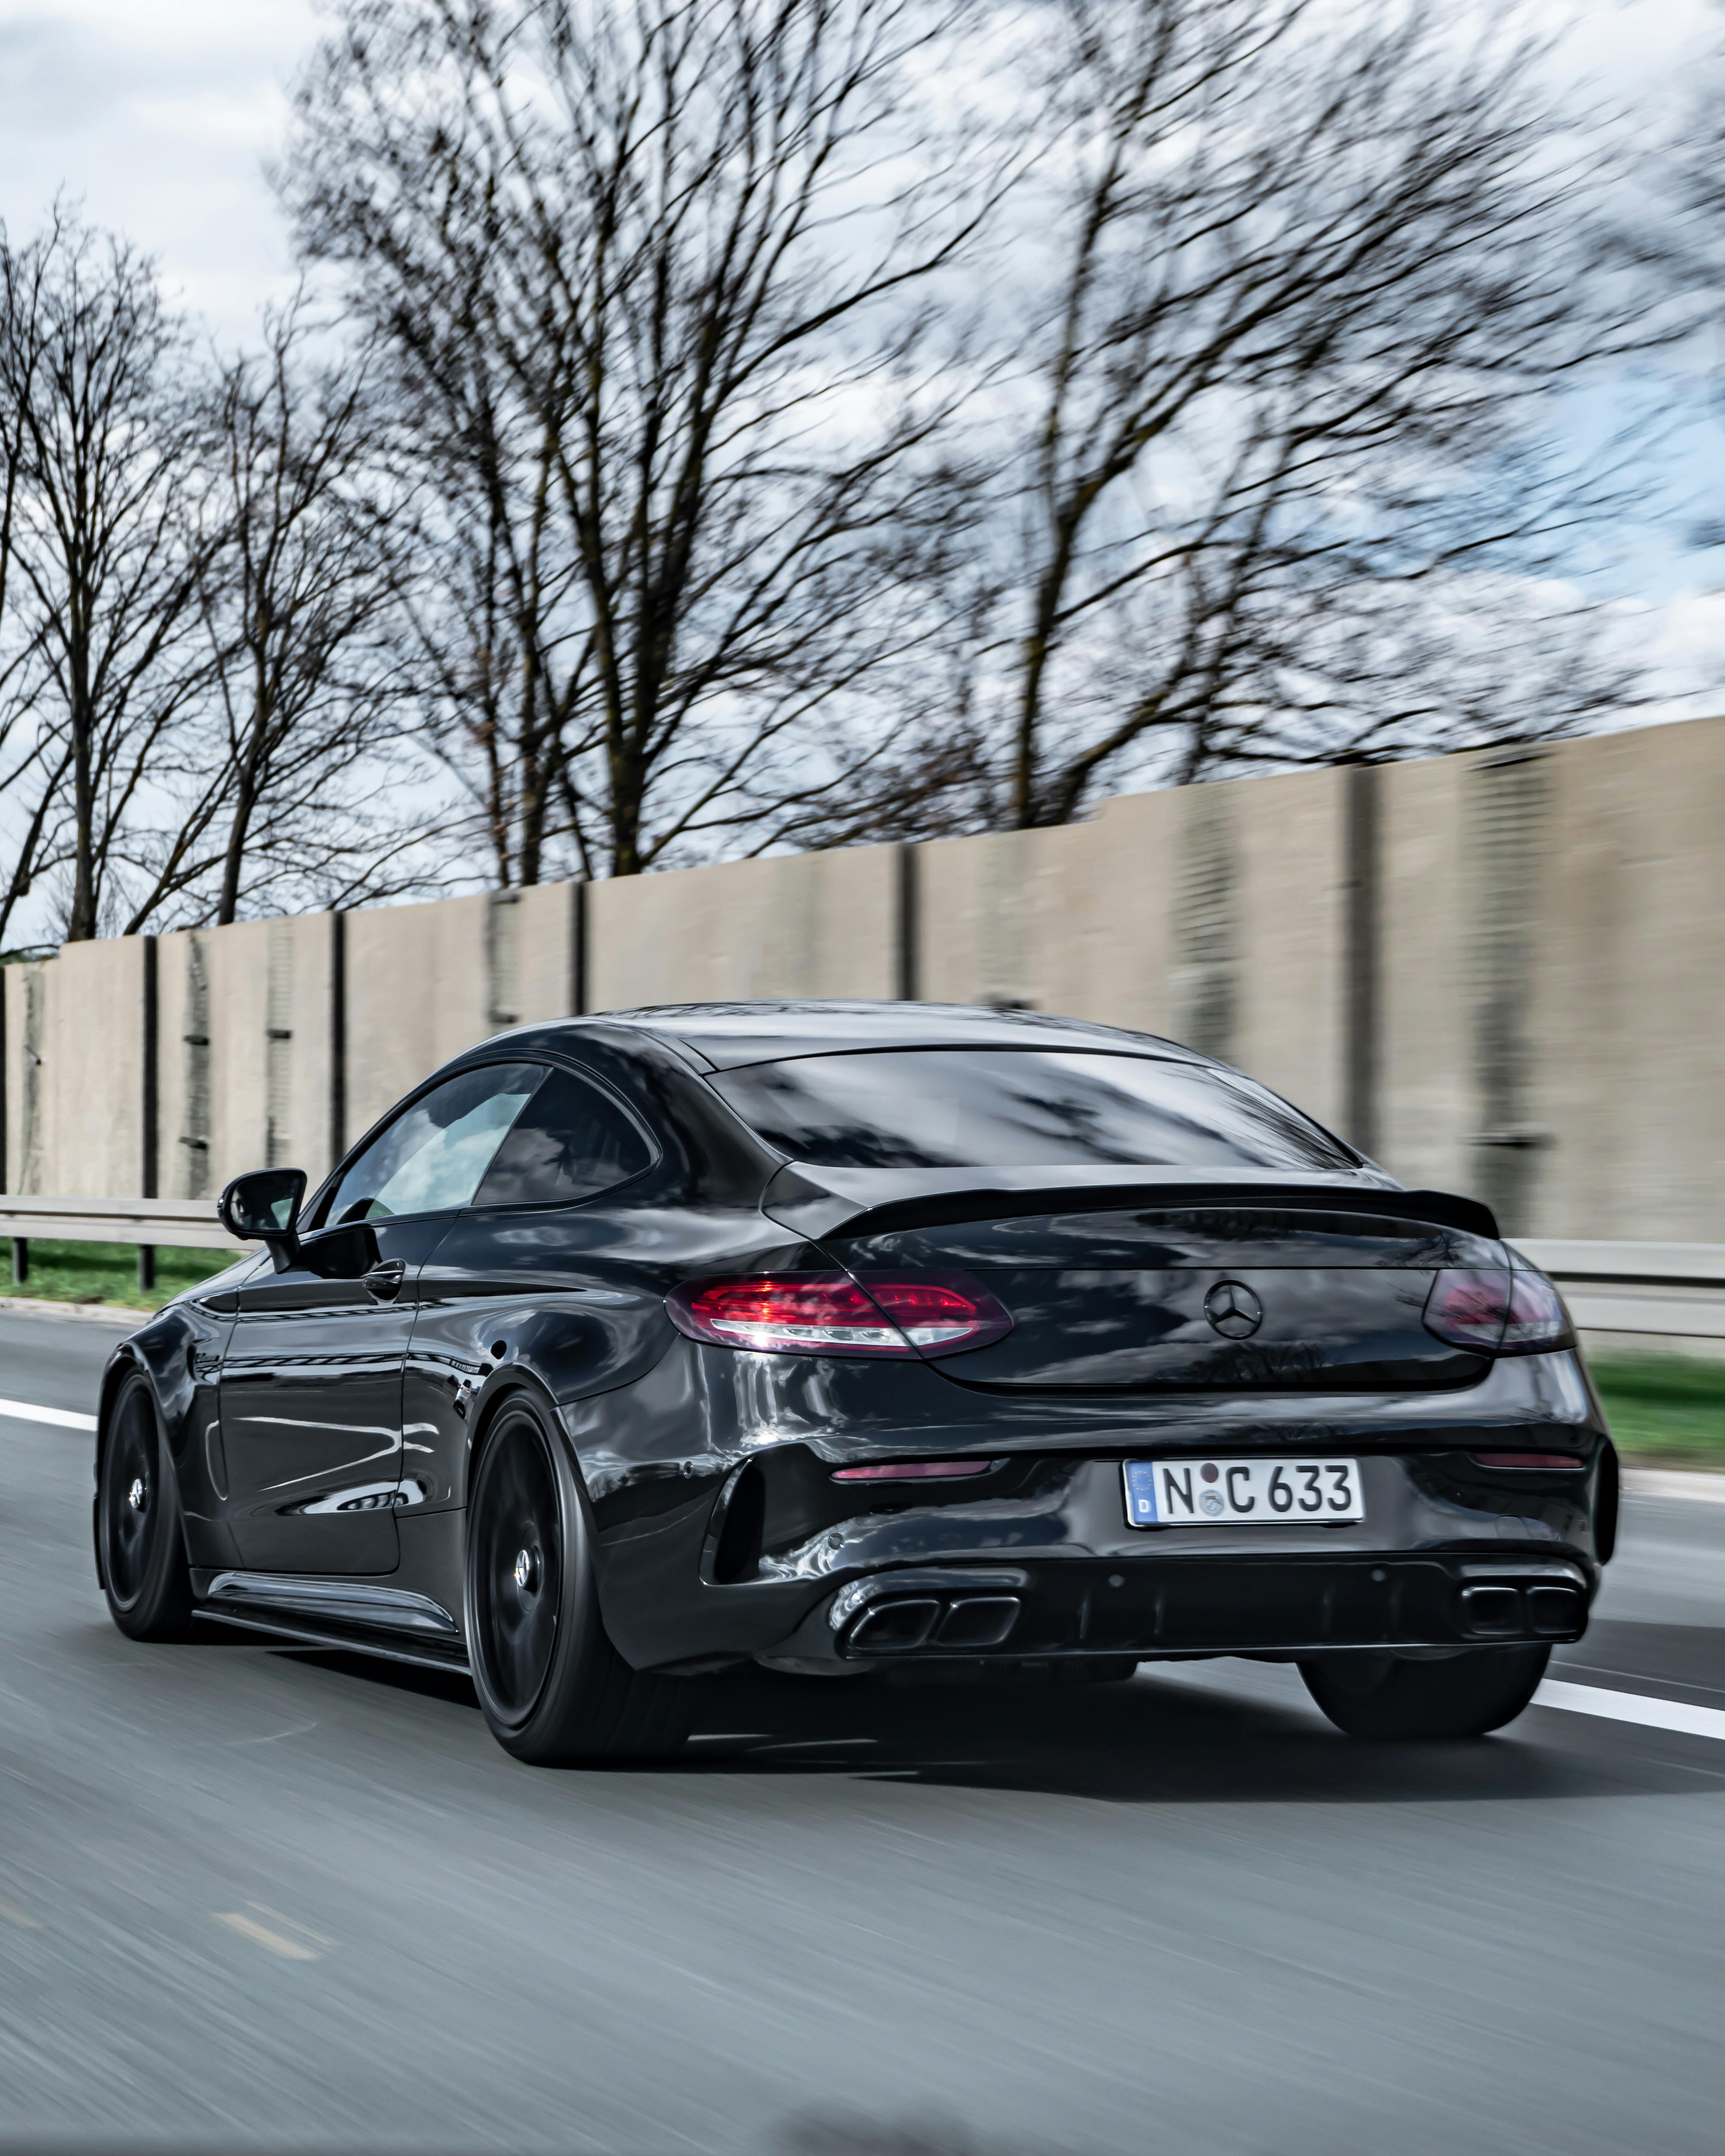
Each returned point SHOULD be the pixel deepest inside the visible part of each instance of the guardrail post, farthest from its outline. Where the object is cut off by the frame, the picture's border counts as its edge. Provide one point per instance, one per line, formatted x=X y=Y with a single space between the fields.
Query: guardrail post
x=147 y=1264
x=20 y=1260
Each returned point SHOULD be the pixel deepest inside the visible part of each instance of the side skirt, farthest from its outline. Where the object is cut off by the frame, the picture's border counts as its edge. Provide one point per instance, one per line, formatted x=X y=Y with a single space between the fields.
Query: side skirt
x=350 y=1642
x=354 y=1615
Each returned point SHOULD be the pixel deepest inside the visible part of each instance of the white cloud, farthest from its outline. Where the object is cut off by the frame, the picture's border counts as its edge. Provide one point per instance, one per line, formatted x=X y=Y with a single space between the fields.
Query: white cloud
x=158 y=118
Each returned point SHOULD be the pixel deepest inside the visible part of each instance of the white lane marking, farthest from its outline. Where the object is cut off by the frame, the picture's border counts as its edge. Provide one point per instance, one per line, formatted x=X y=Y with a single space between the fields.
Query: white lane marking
x=275 y=1942
x=62 y=1418
x=1675 y=1482
x=1632 y=1707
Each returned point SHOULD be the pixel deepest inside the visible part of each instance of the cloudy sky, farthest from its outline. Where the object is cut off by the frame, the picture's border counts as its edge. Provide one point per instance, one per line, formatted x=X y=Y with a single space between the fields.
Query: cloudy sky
x=158 y=115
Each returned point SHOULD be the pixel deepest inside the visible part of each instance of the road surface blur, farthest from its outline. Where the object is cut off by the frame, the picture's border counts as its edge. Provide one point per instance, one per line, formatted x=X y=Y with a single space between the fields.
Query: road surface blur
x=256 y=1898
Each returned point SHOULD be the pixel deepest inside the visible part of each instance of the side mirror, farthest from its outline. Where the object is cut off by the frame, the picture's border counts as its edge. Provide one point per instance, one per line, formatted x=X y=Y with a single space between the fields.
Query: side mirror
x=264 y=1208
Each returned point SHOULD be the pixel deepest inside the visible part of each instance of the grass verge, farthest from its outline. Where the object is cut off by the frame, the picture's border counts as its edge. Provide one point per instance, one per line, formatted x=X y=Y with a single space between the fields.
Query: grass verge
x=1667 y=1410
x=106 y=1272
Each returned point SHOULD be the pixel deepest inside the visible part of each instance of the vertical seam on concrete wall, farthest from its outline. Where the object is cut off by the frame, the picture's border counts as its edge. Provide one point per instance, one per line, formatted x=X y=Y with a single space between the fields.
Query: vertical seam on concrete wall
x=503 y=984
x=29 y=1164
x=338 y=1037
x=150 y=1136
x=1506 y=802
x=1207 y=924
x=278 y=1043
x=578 y=948
x=197 y=1043
x=908 y=912
x=1363 y=958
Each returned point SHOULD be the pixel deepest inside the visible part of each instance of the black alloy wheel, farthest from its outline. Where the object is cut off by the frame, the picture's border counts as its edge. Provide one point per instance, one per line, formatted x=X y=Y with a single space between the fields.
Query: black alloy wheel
x=1464 y=1695
x=145 y=1574
x=553 y=1688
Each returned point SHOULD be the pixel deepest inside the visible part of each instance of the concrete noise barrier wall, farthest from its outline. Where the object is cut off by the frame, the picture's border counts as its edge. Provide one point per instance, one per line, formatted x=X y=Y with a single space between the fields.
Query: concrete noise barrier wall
x=1501 y=973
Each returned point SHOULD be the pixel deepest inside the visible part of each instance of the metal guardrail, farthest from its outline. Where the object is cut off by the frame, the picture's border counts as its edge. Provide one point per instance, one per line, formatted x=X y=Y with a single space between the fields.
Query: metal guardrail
x=1676 y=1290
x=1669 y=1290
x=149 y=1223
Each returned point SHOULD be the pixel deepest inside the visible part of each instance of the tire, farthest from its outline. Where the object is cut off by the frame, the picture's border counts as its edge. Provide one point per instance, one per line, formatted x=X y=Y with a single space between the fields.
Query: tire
x=142 y=1545
x=554 y=1690
x=1465 y=1694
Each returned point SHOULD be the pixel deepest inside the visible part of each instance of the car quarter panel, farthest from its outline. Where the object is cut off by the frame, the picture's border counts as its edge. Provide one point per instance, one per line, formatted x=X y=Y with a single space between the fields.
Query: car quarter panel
x=573 y=1295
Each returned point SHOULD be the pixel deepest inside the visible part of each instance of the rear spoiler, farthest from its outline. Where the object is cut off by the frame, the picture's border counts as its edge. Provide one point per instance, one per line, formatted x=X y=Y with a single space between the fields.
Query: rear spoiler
x=845 y=1201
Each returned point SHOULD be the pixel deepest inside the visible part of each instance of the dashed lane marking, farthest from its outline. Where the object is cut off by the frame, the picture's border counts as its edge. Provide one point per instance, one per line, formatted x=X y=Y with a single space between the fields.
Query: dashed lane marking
x=1631 y=1707
x=21 y=1917
x=61 y=1417
x=276 y=1943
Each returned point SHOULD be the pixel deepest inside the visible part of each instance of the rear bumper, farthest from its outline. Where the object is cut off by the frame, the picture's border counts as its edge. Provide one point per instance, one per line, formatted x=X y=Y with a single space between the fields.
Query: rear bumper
x=704 y=1564
x=1448 y=1555
x=1078 y=1609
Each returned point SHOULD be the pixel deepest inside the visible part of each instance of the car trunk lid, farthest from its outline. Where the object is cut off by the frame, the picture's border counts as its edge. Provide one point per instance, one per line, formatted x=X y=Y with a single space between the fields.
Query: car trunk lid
x=1252 y=1285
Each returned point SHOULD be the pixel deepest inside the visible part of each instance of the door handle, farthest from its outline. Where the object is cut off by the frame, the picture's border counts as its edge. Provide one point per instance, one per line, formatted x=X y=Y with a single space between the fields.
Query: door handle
x=384 y=1279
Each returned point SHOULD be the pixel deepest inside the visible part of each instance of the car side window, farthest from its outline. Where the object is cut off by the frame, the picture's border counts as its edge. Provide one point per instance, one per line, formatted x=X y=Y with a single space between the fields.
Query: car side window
x=434 y=1156
x=572 y=1142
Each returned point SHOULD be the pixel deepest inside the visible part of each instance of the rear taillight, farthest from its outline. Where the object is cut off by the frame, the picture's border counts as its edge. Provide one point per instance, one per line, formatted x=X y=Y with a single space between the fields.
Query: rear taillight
x=1497 y=1312
x=830 y=1314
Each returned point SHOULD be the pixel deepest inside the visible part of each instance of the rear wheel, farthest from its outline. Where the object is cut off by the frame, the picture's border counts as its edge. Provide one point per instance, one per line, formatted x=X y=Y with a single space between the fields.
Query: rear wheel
x=1465 y=1694
x=145 y=1574
x=553 y=1688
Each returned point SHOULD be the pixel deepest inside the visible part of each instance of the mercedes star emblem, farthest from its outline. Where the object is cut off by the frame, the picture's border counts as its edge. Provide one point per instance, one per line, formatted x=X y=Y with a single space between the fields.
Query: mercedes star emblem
x=1233 y=1310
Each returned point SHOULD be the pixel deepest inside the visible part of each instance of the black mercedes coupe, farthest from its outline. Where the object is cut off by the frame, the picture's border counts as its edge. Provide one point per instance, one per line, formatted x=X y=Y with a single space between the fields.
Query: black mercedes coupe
x=850 y=1338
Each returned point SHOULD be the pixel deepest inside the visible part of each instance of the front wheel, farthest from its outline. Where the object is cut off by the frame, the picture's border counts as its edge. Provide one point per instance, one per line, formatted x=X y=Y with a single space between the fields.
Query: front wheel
x=145 y=1574
x=1465 y=1694
x=554 y=1690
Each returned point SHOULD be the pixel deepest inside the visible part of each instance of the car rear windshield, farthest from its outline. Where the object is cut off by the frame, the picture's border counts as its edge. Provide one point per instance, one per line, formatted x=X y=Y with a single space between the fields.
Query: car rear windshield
x=949 y=1107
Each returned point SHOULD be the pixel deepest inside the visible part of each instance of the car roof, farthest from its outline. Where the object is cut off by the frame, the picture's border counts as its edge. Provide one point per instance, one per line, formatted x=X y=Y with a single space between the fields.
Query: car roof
x=725 y=1035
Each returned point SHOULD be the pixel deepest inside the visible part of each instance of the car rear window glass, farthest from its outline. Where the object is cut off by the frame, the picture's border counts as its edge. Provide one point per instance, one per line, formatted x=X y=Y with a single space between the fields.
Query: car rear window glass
x=1020 y=1108
x=573 y=1140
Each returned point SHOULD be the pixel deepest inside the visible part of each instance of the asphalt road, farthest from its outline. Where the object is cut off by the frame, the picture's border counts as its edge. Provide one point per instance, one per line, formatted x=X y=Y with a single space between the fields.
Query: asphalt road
x=252 y=1899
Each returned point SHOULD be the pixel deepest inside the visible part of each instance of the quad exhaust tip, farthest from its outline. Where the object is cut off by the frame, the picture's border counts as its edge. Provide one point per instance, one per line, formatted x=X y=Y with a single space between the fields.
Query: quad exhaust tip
x=961 y=1625
x=1550 y=1610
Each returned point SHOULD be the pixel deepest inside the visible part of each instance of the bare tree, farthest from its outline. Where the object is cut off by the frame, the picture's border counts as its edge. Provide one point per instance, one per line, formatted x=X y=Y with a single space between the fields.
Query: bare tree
x=105 y=543
x=1290 y=296
x=33 y=761
x=659 y=278
x=1315 y=273
x=299 y=752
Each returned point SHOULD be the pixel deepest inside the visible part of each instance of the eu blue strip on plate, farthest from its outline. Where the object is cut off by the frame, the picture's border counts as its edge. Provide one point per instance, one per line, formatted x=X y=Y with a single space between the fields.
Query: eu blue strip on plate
x=1141 y=1493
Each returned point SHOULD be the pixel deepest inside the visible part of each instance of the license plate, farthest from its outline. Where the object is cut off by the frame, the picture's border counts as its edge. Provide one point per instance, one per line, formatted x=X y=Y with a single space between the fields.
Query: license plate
x=1232 y=1493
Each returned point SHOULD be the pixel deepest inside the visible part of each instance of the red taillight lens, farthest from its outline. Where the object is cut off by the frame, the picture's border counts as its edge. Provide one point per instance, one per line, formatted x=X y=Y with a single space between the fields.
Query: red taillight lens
x=787 y=1313
x=1537 y=1315
x=939 y=1314
x=1469 y=1309
x=830 y=1314
x=1497 y=1312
